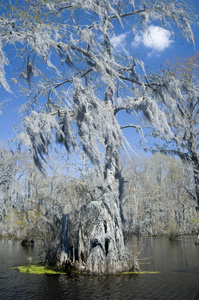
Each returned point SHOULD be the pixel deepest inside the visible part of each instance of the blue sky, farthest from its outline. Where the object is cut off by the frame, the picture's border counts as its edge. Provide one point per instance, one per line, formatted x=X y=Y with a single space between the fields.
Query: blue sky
x=154 y=47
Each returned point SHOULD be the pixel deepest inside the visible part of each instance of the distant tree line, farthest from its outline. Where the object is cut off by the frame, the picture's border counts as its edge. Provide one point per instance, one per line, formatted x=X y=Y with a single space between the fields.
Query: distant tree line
x=156 y=197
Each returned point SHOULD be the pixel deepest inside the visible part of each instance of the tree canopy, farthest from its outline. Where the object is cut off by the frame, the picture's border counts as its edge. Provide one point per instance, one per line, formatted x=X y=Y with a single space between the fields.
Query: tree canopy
x=66 y=56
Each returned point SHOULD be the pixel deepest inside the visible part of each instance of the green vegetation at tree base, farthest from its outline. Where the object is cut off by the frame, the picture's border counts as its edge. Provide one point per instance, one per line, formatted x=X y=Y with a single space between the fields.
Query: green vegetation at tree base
x=140 y=272
x=39 y=268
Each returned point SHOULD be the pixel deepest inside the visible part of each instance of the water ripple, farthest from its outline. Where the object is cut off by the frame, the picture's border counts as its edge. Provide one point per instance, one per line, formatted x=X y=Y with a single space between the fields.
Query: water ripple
x=179 y=277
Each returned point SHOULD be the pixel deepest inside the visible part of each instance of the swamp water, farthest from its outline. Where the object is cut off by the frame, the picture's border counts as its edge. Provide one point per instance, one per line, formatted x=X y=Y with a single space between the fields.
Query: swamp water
x=177 y=261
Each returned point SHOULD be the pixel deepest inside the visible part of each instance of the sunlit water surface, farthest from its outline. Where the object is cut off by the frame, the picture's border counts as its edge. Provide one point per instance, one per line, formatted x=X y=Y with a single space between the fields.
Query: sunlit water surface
x=177 y=261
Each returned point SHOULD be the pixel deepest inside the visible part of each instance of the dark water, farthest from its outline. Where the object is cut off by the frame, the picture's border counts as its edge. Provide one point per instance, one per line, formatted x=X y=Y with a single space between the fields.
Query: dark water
x=177 y=261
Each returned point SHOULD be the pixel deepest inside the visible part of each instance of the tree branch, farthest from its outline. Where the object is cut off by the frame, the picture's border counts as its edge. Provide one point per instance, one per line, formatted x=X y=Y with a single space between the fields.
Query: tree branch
x=131 y=126
x=137 y=127
x=117 y=109
x=194 y=197
x=134 y=12
x=130 y=79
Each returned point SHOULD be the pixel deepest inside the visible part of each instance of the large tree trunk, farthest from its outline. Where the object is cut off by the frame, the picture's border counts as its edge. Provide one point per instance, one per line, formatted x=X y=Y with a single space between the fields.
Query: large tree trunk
x=101 y=246
x=100 y=239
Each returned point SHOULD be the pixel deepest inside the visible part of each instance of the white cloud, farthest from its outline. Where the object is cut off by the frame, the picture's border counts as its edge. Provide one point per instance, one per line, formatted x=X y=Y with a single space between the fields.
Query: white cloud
x=119 y=41
x=155 y=38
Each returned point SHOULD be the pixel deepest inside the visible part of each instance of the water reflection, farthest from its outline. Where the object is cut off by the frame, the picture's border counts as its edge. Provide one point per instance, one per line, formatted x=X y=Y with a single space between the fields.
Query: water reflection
x=178 y=262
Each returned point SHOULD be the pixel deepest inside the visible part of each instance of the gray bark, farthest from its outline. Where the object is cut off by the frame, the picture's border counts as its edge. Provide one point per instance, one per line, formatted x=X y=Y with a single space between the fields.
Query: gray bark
x=101 y=242
x=61 y=252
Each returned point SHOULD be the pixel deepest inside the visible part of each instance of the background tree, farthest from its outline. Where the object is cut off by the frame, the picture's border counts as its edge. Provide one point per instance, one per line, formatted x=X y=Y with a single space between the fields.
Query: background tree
x=7 y=161
x=156 y=201
x=83 y=82
x=182 y=113
x=32 y=204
